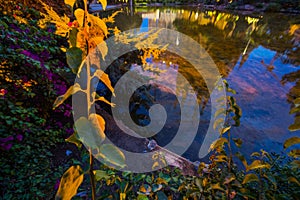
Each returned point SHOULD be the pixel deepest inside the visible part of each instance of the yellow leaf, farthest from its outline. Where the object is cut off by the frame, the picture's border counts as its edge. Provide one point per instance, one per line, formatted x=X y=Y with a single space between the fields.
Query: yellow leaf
x=89 y=132
x=79 y=14
x=161 y=181
x=250 y=178
x=61 y=23
x=155 y=165
x=69 y=183
x=221 y=158
x=291 y=141
x=104 y=3
x=106 y=101
x=111 y=19
x=294 y=180
x=218 y=143
x=72 y=90
x=122 y=196
x=102 y=47
x=295 y=153
x=105 y=79
x=257 y=164
x=96 y=22
x=97 y=120
x=217 y=187
x=225 y=129
x=74 y=139
x=70 y=2
x=218 y=122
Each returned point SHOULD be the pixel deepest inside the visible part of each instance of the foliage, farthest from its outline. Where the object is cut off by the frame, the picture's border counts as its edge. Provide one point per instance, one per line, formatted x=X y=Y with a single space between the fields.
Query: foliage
x=273 y=7
x=31 y=65
x=30 y=68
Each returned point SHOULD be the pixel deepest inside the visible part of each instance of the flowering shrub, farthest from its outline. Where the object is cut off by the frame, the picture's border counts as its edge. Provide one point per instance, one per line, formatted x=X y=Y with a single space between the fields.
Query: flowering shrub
x=31 y=65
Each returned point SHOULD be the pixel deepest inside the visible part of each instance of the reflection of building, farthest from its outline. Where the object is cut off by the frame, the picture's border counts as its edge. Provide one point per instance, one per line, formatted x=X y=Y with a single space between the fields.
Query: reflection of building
x=160 y=18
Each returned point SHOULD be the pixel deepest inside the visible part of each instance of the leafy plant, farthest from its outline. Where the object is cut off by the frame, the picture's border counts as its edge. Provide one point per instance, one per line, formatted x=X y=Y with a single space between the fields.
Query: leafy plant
x=30 y=68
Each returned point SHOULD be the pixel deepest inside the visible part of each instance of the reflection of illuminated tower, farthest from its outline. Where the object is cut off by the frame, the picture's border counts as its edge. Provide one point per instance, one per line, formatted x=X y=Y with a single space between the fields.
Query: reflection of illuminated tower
x=160 y=19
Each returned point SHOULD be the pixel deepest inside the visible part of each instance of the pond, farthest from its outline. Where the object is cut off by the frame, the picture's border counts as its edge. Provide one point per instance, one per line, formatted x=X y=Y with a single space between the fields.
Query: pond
x=259 y=56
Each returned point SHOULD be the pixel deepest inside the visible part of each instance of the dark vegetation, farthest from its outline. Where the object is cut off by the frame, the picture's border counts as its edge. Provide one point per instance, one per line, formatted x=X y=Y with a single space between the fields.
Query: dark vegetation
x=33 y=152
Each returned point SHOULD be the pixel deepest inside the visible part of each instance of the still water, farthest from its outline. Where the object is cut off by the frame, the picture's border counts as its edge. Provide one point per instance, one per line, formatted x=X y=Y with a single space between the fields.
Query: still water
x=259 y=56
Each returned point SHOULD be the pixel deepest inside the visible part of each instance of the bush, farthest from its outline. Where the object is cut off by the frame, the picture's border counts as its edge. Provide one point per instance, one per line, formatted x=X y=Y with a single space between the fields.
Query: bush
x=273 y=7
x=30 y=65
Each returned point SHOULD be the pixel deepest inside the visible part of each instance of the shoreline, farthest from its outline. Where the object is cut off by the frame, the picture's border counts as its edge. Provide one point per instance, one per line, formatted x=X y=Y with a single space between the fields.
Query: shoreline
x=245 y=9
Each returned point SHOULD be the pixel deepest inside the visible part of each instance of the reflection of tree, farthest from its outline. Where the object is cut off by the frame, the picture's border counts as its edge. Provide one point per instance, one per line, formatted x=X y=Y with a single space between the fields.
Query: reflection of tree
x=126 y=22
x=273 y=33
x=293 y=95
x=224 y=51
x=224 y=35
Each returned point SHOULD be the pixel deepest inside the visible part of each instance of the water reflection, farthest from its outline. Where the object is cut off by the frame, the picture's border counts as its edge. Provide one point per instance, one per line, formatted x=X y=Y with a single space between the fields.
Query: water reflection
x=259 y=55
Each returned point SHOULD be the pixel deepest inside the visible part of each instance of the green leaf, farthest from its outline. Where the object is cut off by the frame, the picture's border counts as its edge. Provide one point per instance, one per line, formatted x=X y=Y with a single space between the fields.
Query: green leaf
x=257 y=164
x=74 y=139
x=218 y=143
x=161 y=196
x=4 y=24
x=100 y=174
x=291 y=141
x=142 y=197
x=74 y=58
x=72 y=90
x=250 y=178
x=89 y=132
x=272 y=180
x=69 y=183
x=112 y=154
x=73 y=38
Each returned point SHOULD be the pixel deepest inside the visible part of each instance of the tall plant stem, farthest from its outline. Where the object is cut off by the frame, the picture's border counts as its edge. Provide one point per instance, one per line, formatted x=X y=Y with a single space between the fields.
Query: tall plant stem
x=92 y=177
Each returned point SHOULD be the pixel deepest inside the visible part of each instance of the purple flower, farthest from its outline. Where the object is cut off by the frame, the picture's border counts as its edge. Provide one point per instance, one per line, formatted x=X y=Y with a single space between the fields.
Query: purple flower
x=67 y=113
x=7 y=139
x=30 y=55
x=56 y=186
x=6 y=147
x=59 y=124
x=70 y=131
x=19 y=137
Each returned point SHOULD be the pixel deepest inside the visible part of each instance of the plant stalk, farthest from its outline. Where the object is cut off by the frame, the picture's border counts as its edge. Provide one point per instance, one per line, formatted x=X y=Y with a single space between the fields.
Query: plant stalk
x=92 y=177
